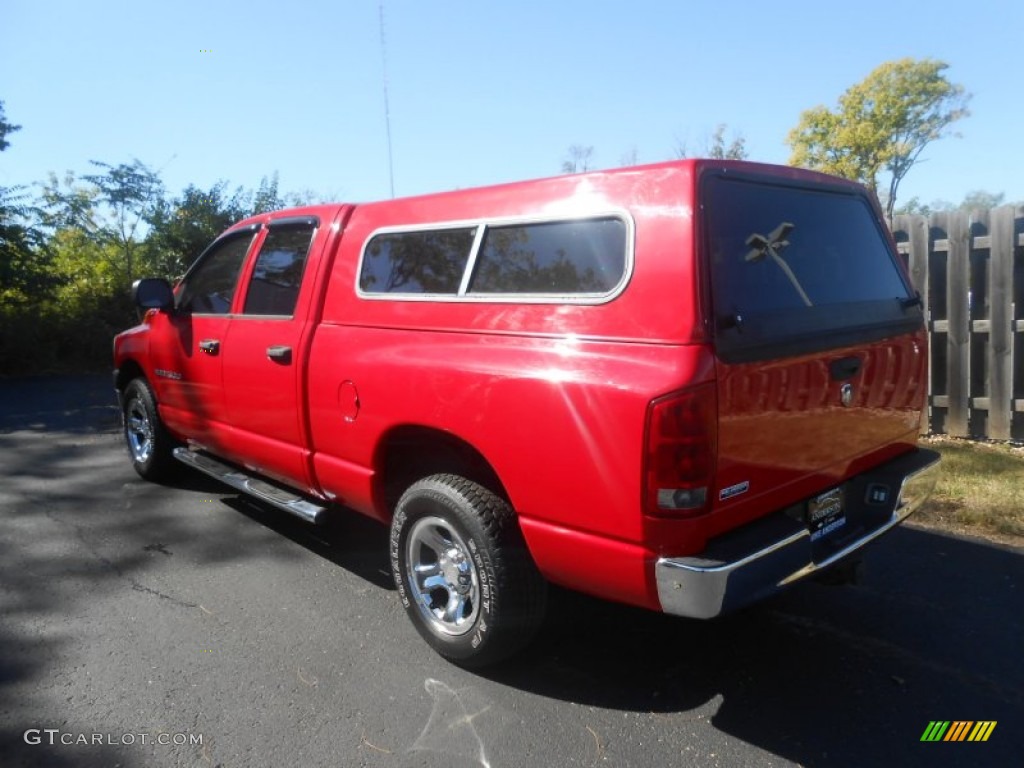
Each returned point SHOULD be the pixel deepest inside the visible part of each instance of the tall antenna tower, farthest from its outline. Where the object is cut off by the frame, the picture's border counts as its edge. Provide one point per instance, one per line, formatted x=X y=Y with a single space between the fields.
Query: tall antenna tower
x=387 y=104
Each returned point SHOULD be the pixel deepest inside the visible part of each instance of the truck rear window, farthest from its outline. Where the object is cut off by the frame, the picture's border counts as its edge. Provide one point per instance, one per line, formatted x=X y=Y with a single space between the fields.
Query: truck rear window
x=798 y=269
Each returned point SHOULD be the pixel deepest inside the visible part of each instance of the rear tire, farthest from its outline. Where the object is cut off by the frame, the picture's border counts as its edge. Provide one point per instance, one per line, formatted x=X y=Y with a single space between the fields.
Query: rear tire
x=149 y=443
x=463 y=572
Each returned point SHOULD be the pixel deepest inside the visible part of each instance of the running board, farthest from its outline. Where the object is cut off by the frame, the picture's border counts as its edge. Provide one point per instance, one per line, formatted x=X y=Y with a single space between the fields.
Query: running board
x=271 y=494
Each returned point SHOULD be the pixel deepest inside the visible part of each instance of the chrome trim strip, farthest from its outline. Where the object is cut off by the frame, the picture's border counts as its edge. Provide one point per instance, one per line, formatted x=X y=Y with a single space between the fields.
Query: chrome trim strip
x=810 y=568
x=734 y=566
x=688 y=586
x=505 y=298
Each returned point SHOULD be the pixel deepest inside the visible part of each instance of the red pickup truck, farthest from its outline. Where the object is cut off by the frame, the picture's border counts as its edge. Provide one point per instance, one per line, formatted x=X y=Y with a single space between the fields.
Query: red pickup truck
x=681 y=386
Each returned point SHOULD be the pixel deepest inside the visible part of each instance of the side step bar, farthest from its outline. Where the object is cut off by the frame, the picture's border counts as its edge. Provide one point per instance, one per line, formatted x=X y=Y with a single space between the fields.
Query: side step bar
x=271 y=494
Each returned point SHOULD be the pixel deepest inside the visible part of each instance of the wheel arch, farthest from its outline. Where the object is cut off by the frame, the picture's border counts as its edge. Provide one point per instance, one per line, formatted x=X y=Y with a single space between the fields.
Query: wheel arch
x=126 y=372
x=410 y=452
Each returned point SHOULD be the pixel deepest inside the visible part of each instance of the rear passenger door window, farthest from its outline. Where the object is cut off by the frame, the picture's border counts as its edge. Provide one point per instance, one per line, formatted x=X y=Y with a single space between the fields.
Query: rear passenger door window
x=277 y=274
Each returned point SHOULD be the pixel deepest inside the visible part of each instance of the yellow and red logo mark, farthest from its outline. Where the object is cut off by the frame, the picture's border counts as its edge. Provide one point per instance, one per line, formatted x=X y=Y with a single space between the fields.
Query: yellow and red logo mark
x=958 y=730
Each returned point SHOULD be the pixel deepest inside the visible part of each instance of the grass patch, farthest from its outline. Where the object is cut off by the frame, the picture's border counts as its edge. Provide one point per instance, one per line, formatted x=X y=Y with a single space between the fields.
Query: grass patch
x=980 y=489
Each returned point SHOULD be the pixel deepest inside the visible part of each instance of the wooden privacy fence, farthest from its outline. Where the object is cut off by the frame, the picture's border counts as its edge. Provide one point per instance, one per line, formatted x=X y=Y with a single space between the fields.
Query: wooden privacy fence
x=969 y=268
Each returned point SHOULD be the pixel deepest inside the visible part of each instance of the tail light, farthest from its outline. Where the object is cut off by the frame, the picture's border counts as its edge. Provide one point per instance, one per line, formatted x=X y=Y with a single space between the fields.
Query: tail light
x=681 y=445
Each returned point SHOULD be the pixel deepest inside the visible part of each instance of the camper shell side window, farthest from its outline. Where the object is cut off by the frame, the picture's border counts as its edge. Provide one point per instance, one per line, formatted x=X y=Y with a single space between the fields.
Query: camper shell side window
x=581 y=259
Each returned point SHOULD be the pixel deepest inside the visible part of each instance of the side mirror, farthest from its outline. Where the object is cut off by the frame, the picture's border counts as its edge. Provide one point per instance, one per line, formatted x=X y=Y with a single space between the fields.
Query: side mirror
x=153 y=293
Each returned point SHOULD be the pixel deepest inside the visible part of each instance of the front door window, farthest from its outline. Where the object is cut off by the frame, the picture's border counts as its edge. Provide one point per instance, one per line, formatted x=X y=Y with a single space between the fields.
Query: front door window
x=209 y=286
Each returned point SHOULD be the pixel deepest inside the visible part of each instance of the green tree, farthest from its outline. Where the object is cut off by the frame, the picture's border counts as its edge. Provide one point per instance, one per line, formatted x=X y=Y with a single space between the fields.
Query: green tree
x=881 y=125
x=24 y=269
x=25 y=273
x=90 y=270
x=67 y=204
x=266 y=197
x=129 y=191
x=181 y=228
x=91 y=302
x=61 y=297
x=110 y=208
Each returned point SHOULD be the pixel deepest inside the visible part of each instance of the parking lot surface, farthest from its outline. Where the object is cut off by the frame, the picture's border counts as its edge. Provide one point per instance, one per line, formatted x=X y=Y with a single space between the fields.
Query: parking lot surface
x=148 y=625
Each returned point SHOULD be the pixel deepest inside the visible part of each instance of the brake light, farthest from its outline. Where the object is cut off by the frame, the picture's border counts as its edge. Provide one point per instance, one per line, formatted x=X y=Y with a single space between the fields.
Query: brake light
x=682 y=443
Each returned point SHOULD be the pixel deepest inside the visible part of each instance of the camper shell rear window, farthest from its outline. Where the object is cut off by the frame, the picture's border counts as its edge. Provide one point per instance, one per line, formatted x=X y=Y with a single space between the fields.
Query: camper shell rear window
x=796 y=269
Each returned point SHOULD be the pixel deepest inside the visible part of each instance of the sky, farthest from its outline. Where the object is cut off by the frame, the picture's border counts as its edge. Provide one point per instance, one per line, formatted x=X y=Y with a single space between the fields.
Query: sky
x=478 y=92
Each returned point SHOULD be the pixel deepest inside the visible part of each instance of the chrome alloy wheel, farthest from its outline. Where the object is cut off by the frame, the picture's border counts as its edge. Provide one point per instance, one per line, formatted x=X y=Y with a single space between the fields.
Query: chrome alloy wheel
x=442 y=577
x=139 y=431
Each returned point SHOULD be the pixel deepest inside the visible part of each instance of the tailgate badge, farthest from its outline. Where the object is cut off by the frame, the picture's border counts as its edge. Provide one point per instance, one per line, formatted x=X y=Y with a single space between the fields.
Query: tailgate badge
x=846 y=394
x=734 y=490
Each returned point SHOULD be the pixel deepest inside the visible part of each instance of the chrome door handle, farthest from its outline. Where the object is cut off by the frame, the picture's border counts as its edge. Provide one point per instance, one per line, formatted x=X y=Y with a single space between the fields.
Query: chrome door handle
x=280 y=353
x=209 y=346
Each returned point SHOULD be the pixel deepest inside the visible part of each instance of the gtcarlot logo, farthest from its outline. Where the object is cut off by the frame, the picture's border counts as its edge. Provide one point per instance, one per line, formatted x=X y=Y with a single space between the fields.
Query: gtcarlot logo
x=55 y=736
x=958 y=730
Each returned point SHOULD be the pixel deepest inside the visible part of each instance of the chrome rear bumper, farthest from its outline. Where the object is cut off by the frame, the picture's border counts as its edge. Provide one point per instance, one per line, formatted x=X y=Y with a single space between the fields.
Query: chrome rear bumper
x=759 y=559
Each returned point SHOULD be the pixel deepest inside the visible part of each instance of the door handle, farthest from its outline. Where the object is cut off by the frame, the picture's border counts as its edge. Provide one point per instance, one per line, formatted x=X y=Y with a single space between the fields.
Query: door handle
x=209 y=346
x=280 y=353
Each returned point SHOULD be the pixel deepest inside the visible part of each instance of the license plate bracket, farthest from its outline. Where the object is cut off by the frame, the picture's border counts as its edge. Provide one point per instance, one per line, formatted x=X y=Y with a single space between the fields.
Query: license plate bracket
x=826 y=513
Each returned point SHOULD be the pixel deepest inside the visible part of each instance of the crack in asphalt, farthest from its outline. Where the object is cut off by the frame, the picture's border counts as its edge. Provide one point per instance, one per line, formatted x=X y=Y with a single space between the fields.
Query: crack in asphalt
x=106 y=561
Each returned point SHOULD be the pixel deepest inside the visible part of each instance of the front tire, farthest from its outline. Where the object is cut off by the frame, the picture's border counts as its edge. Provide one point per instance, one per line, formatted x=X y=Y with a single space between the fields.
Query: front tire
x=148 y=441
x=463 y=572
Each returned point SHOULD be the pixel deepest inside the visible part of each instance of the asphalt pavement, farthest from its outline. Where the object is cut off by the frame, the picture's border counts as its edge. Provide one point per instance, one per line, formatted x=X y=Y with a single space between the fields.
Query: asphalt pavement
x=149 y=625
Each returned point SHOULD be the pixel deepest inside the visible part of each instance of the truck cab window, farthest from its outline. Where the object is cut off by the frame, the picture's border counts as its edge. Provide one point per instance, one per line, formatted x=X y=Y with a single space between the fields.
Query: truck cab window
x=209 y=287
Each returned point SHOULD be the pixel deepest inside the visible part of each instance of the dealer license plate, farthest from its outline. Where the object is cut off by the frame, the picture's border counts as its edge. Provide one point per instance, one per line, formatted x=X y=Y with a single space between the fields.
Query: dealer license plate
x=826 y=513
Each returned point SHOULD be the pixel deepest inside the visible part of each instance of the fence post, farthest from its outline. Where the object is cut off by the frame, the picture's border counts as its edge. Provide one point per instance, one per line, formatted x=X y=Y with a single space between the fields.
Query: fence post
x=1000 y=339
x=958 y=338
x=916 y=227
